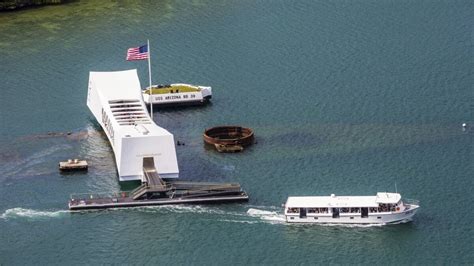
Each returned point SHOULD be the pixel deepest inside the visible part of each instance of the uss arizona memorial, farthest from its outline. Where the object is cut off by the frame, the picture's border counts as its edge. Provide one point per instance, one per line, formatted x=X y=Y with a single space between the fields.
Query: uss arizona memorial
x=146 y=152
x=115 y=99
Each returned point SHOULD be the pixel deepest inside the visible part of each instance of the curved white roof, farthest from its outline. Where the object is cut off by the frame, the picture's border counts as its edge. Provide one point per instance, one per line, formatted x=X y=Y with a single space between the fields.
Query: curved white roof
x=342 y=201
x=386 y=197
x=117 y=85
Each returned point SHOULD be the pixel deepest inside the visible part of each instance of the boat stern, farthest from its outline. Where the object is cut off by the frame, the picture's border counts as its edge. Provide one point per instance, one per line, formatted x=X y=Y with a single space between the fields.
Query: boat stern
x=206 y=92
x=146 y=97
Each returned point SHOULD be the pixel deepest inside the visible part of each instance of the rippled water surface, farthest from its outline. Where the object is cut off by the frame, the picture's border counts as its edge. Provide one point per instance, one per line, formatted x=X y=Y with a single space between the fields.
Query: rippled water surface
x=345 y=97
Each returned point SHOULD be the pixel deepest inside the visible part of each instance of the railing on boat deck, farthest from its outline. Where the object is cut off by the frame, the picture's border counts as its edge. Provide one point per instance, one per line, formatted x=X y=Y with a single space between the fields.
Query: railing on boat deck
x=150 y=188
x=121 y=195
x=411 y=202
x=100 y=195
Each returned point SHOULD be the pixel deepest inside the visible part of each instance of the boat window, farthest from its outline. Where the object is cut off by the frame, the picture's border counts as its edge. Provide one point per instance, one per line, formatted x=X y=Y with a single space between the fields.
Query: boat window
x=355 y=210
x=293 y=210
x=383 y=207
x=344 y=210
x=372 y=209
x=389 y=207
x=317 y=210
x=393 y=207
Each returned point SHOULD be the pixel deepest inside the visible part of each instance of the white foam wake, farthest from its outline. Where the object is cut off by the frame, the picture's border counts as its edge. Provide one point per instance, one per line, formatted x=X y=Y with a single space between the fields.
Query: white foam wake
x=31 y=214
x=200 y=209
x=252 y=216
x=269 y=216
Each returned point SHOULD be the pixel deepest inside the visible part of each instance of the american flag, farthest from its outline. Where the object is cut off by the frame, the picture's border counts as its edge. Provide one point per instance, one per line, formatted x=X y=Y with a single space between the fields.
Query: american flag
x=137 y=53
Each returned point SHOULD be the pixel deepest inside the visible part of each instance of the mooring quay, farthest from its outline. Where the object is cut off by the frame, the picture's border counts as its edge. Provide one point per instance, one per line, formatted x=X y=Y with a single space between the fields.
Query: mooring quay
x=156 y=191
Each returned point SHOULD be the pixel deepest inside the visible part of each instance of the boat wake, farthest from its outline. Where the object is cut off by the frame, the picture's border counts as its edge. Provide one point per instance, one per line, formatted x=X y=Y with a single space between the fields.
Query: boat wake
x=31 y=214
x=267 y=216
x=197 y=209
x=262 y=214
x=251 y=216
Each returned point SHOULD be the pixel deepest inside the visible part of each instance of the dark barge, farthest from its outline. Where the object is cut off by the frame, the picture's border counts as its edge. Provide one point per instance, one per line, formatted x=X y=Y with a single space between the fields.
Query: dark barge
x=156 y=191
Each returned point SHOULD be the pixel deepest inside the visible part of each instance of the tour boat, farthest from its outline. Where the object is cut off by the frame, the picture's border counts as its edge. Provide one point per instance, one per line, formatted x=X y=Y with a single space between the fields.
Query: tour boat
x=178 y=93
x=384 y=208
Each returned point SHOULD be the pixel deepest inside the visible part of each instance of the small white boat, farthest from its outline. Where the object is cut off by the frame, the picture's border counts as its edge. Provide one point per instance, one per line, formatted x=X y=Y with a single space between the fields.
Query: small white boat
x=384 y=208
x=176 y=94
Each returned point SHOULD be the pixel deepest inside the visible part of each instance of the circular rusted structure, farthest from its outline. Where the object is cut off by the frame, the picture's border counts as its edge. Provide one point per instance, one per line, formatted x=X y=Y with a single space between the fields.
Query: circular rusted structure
x=229 y=135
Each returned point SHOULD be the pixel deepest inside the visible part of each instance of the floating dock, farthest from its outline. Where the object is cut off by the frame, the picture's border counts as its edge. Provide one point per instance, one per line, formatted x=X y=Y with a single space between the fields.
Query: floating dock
x=126 y=200
x=73 y=165
x=158 y=192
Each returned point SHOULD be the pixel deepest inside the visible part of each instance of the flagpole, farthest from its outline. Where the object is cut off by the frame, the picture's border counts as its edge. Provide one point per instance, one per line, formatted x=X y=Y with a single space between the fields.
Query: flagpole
x=149 y=78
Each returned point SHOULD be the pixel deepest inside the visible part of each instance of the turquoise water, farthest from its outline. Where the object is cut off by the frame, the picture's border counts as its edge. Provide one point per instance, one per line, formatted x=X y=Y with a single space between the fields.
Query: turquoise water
x=345 y=97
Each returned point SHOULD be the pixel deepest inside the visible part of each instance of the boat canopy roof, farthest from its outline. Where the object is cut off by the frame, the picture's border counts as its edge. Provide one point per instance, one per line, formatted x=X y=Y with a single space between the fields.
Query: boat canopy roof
x=342 y=201
x=386 y=197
